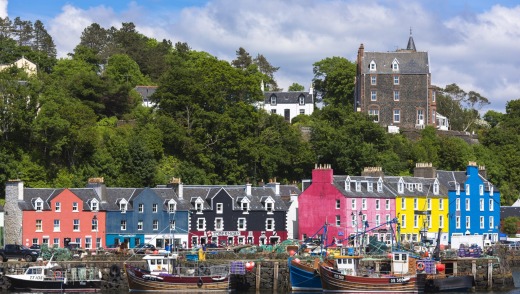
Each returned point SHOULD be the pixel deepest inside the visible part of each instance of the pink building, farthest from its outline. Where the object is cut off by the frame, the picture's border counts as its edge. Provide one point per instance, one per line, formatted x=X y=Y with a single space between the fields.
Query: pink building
x=348 y=204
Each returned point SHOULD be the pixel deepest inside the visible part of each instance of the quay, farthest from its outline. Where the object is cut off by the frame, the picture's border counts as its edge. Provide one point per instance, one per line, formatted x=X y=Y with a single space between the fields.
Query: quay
x=270 y=271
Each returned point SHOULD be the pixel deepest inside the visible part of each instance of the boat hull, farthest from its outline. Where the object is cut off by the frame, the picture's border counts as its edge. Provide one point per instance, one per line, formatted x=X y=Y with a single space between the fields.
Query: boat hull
x=449 y=284
x=333 y=281
x=54 y=285
x=303 y=277
x=141 y=280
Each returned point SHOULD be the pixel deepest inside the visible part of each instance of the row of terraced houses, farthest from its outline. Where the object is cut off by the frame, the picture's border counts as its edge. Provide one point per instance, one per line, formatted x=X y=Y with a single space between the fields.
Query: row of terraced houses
x=430 y=203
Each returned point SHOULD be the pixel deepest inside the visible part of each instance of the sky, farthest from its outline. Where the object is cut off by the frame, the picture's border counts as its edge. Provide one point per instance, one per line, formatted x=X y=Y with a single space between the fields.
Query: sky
x=472 y=43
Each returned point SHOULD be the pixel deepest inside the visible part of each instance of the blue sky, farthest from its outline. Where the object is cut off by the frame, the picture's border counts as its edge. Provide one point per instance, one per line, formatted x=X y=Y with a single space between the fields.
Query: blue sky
x=472 y=43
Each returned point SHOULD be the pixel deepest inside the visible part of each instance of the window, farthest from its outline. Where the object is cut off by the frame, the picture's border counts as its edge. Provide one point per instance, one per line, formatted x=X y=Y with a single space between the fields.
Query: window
x=141 y=208
x=378 y=204
x=467 y=205
x=429 y=204
x=373 y=95
x=491 y=222
x=468 y=222
x=441 y=204
x=372 y=66
x=353 y=204
x=301 y=100
x=491 y=207
x=74 y=206
x=338 y=220
x=396 y=80
x=420 y=116
x=273 y=111
x=436 y=188
x=98 y=242
x=198 y=207
x=353 y=219
x=374 y=113
x=56 y=225
x=302 y=111
x=219 y=224
x=387 y=219
x=373 y=80
x=403 y=221
x=358 y=186
x=481 y=205
x=201 y=224
x=364 y=203
x=94 y=224
x=338 y=204
x=400 y=187
x=457 y=189
x=415 y=203
x=397 y=115
x=220 y=208
x=269 y=207
x=241 y=224
x=403 y=203
x=154 y=208
x=35 y=241
x=75 y=225
x=378 y=219
x=140 y=225
x=56 y=242
x=172 y=206
x=457 y=204
x=123 y=206
x=88 y=242
x=269 y=224
x=38 y=225
x=481 y=190
x=441 y=221
x=155 y=225
x=457 y=222
x=395 y=65
x=379 y=186
x=415 y=221
x=273 y=100
x=347 y=184
x=245 y=207
x=57 y=206
x=396 y=95
x=123 y=225
x=94 y=205
x=429 y=221
x=481 y=222
x=467 y=189
x=387 y=204
x=38 y=205
x=433 y=96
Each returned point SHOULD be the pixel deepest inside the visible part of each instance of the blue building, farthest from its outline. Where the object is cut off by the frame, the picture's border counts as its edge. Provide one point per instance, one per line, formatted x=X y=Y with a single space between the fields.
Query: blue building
x=145 y=215
x=474 y=202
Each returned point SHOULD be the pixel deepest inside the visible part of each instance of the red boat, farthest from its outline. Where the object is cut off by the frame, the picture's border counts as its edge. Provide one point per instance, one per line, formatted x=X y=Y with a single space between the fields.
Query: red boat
x=165 y=274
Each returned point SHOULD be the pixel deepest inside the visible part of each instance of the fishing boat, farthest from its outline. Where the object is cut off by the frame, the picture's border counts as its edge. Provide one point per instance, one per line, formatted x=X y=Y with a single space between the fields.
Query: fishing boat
x=438 y=281
x=304 y=275
x=51 y=277
x=342 y=273
x=165 y=273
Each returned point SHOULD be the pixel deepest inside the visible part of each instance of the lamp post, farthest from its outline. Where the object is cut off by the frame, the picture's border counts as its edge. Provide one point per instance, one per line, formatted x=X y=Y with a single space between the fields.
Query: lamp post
x=95 y=220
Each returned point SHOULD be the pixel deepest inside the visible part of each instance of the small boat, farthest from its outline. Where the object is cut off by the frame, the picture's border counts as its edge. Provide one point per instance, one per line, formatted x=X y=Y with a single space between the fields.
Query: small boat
x=438 y=281
x=164 y=273
x=342 y=274
x=304 y=275
x=53 y=278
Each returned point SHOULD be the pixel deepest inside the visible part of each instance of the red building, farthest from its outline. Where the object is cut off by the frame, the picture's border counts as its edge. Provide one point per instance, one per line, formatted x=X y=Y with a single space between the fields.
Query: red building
x=62 y=216
x=322 y=203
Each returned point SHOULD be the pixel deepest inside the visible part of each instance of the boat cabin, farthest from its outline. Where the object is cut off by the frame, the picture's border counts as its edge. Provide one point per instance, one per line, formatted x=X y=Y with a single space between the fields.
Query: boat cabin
x=347 y=265
x=158 y=263
x=400 y=262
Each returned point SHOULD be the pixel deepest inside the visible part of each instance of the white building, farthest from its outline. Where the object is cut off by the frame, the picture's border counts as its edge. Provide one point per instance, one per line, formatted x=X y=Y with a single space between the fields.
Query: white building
x=23 y=63
x=288 y=104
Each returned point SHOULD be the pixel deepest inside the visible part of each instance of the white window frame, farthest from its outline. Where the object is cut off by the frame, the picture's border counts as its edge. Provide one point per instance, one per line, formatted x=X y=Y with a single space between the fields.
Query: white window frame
x=378 y=204
x=481 y=204
x=387 y=204
x=373 y=80
x=441 y=204
x=491 y=205
x=373 y=66
x=396 y=80
x=467 y=189
x=57 y=206
x=441 y=221
x=403 y=221
x=416 y=203
x=378 y=220
x=491 y=222
x=75 y=207
x=338 y=220
x=201 y=224
x=57 y=225
x=155 y=208
x=481 y=189
x=220 y=208
x=379 y=186
x=269 y=224
x=338 y=204
x=457 y=204
x=396 y=95
x=95 y=225
x=219 y=224
x=242 y=224
x=373 y=95
x=139 y=225
x=123 y=225
x=172 y=206
x=467 y=204
x=403 y=203
x=94 y=205
x=481 y=221
x=397 y=116
x=140 y=208
x=76 y=225
x=468 y=222
x=415 y=221
x=353 y=204
x=457 y=222
x=39 y=225
x=155 y=225
x=363 y=204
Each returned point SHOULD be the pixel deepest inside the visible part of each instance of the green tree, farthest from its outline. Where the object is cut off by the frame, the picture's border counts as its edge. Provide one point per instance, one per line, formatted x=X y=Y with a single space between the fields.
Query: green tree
x=511 y=225
x=296 y=87
x=334 y=78
x=43 y=41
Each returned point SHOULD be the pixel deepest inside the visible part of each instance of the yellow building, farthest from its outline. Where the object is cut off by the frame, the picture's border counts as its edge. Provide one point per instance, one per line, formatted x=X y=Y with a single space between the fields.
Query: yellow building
x=421 y=207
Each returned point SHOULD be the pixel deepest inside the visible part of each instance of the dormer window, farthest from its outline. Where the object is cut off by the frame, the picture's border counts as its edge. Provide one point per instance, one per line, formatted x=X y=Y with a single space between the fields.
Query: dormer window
x=400 y=187
x=395 y=65
x=419 y=187
x=347 y=185
x=198 y=207
x=436 y=188
x=172 y=206
x=380 y=186
x=123 y=206
x=38 y=205
x=370 y=187
x=410 y=187
x=273 y=100
x=301 y=100
x=490 y=190
x=94 y=205
x=457 y=189
x=358 y=186
x=372 y=66
x=269 y=207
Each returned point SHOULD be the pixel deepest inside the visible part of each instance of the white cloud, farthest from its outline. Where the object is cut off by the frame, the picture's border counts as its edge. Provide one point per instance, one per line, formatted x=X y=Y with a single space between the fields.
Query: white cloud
x=3 y=8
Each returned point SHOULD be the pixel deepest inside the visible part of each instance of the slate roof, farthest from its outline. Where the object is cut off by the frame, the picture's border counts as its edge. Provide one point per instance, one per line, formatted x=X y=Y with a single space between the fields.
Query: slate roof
x=339 y=183
x=427 y=186
x=146 y=91
x=451 y=178
x=287 y=97
x=409 y=62
x=508 y=211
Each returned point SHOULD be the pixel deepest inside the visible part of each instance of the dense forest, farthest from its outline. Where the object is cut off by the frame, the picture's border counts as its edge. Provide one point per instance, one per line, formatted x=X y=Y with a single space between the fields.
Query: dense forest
x=81 y=117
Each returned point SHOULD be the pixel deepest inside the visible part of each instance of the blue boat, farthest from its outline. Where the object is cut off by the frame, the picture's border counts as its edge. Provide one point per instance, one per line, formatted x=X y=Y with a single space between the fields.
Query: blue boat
x=304 y=275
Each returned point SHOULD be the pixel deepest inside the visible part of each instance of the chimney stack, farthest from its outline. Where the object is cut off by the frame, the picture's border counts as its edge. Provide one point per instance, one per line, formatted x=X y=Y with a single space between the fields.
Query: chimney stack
x=373 y=171
x=177 y=186
x=424 y=170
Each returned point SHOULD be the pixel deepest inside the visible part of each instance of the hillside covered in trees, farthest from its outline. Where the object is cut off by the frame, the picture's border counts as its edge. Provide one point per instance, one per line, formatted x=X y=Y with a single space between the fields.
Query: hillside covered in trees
x=81 y=117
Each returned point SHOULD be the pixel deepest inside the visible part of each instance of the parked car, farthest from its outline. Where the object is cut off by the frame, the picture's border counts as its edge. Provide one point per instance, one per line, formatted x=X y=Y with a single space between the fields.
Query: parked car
x=15 y=251
x=36 y=247
x=143 y=248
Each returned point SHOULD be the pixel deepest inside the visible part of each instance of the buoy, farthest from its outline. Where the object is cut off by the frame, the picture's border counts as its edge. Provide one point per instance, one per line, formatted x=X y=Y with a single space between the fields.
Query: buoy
x=291 y=253
x=249 y=266
x=440 y=267
x=420 y=266
x=297 y=260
